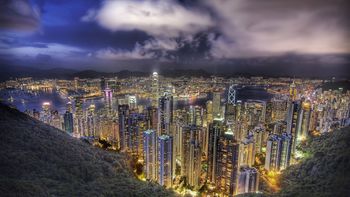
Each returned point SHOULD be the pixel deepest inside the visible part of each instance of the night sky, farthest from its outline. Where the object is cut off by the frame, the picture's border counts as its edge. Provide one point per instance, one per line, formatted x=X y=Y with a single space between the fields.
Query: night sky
x=238 y=36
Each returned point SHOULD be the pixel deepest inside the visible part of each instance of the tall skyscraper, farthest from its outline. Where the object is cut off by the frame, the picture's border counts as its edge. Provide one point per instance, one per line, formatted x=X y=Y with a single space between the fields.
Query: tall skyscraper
x=303 y=122
x=248 y=180
x=247 y=151
x=216 y=105
x=231 y=95
x=227 y=164
x=292 y=118
x=278 y=152
x=68 y=122
x=293 y=91
x=215 y=131
x=123 y=113
x=165 y=114
x=165 y=160
x=155 y=89
x=190 y=155
x=150 y=154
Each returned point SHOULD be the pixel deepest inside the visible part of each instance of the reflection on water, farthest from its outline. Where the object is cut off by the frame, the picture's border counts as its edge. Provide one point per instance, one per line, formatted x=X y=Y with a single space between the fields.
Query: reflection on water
x=24 y=100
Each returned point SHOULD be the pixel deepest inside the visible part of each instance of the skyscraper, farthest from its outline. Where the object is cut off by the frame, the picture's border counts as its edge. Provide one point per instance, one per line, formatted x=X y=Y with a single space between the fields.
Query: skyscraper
x=123 y=113
x=303 y=122
x=227 y=164
x=278 y=152
x=68 y=122
x=248 y=180
x=155 y=89
x=165 y=160
x=165 y=114
x=216 y=105
x=190 y=155
x=215 y=130
x=150 y=154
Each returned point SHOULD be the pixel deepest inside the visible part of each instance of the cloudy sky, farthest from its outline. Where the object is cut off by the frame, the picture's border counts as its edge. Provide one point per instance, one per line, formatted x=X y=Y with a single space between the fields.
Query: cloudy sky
x=216 y=35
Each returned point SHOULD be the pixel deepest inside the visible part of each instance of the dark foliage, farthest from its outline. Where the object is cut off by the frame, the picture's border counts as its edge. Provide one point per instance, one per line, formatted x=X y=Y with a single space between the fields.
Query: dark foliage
x=326 y=172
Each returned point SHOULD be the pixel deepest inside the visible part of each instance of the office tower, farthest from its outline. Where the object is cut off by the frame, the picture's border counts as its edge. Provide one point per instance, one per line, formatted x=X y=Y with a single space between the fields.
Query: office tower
x=133 y=135
x=209 y=108
x=195 y=115
x=165 y=114
x=292 y=117
x=255 y=111
x=258 y=136
x=215 y=130
x=76 y=83
x=155 y=89
x=278 y=152
x=231 y=95
x=279 y=127
x=303 y=122
x=150 y=154
x=79 y=117
x=279 y=109
x=46 y=116
x=227 y=164
x=69 y=107
x=123 y=113
x=165 y=160
x=132 y=102
x=293 y=91
x=190 y=155
x=108 y=95
x=68 y=122
x=152 y=118
x=247 y=151
x=248 y=180
x=91 y=121
x=216 y=105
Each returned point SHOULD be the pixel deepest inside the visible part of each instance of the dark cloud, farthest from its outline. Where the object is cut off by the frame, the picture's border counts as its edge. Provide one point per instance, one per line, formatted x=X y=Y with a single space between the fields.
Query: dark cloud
x=18 y=15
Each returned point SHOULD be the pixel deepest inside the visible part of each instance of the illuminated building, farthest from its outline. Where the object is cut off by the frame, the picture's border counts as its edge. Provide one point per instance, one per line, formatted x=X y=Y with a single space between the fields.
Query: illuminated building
x=216 y=105
x=155 y=89
x=231 y=95
x=190 y=155
x=132 y=135
x=278 y=152
x=91 y=121
x=132 y=102
x=123 y=113
x=279 y=109
x=255 y=111
x=150 y=154
x=227 y=164
x=165 y=160
x=165 y=114
x=68 y=122
x=79 y=119
x=248 y=180
x=247 y=151
x=209 y=108
x=215 y=130
x=292 y=118
x=152 y=118
x=303 y=122
x=293 y=91
x=46 y=116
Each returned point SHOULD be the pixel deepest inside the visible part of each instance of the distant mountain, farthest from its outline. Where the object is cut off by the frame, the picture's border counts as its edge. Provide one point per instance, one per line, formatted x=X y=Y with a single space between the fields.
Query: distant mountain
x=39 y=160
x=326 y=171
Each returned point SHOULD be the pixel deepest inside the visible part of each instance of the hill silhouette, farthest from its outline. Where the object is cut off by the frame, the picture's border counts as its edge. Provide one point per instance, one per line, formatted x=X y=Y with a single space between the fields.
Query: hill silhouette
x=325 y=171
x=39 y=160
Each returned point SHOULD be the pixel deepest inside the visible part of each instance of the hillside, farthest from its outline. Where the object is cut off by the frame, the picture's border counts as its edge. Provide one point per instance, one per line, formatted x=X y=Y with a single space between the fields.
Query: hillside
x=38 y=160
x=325 y=172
